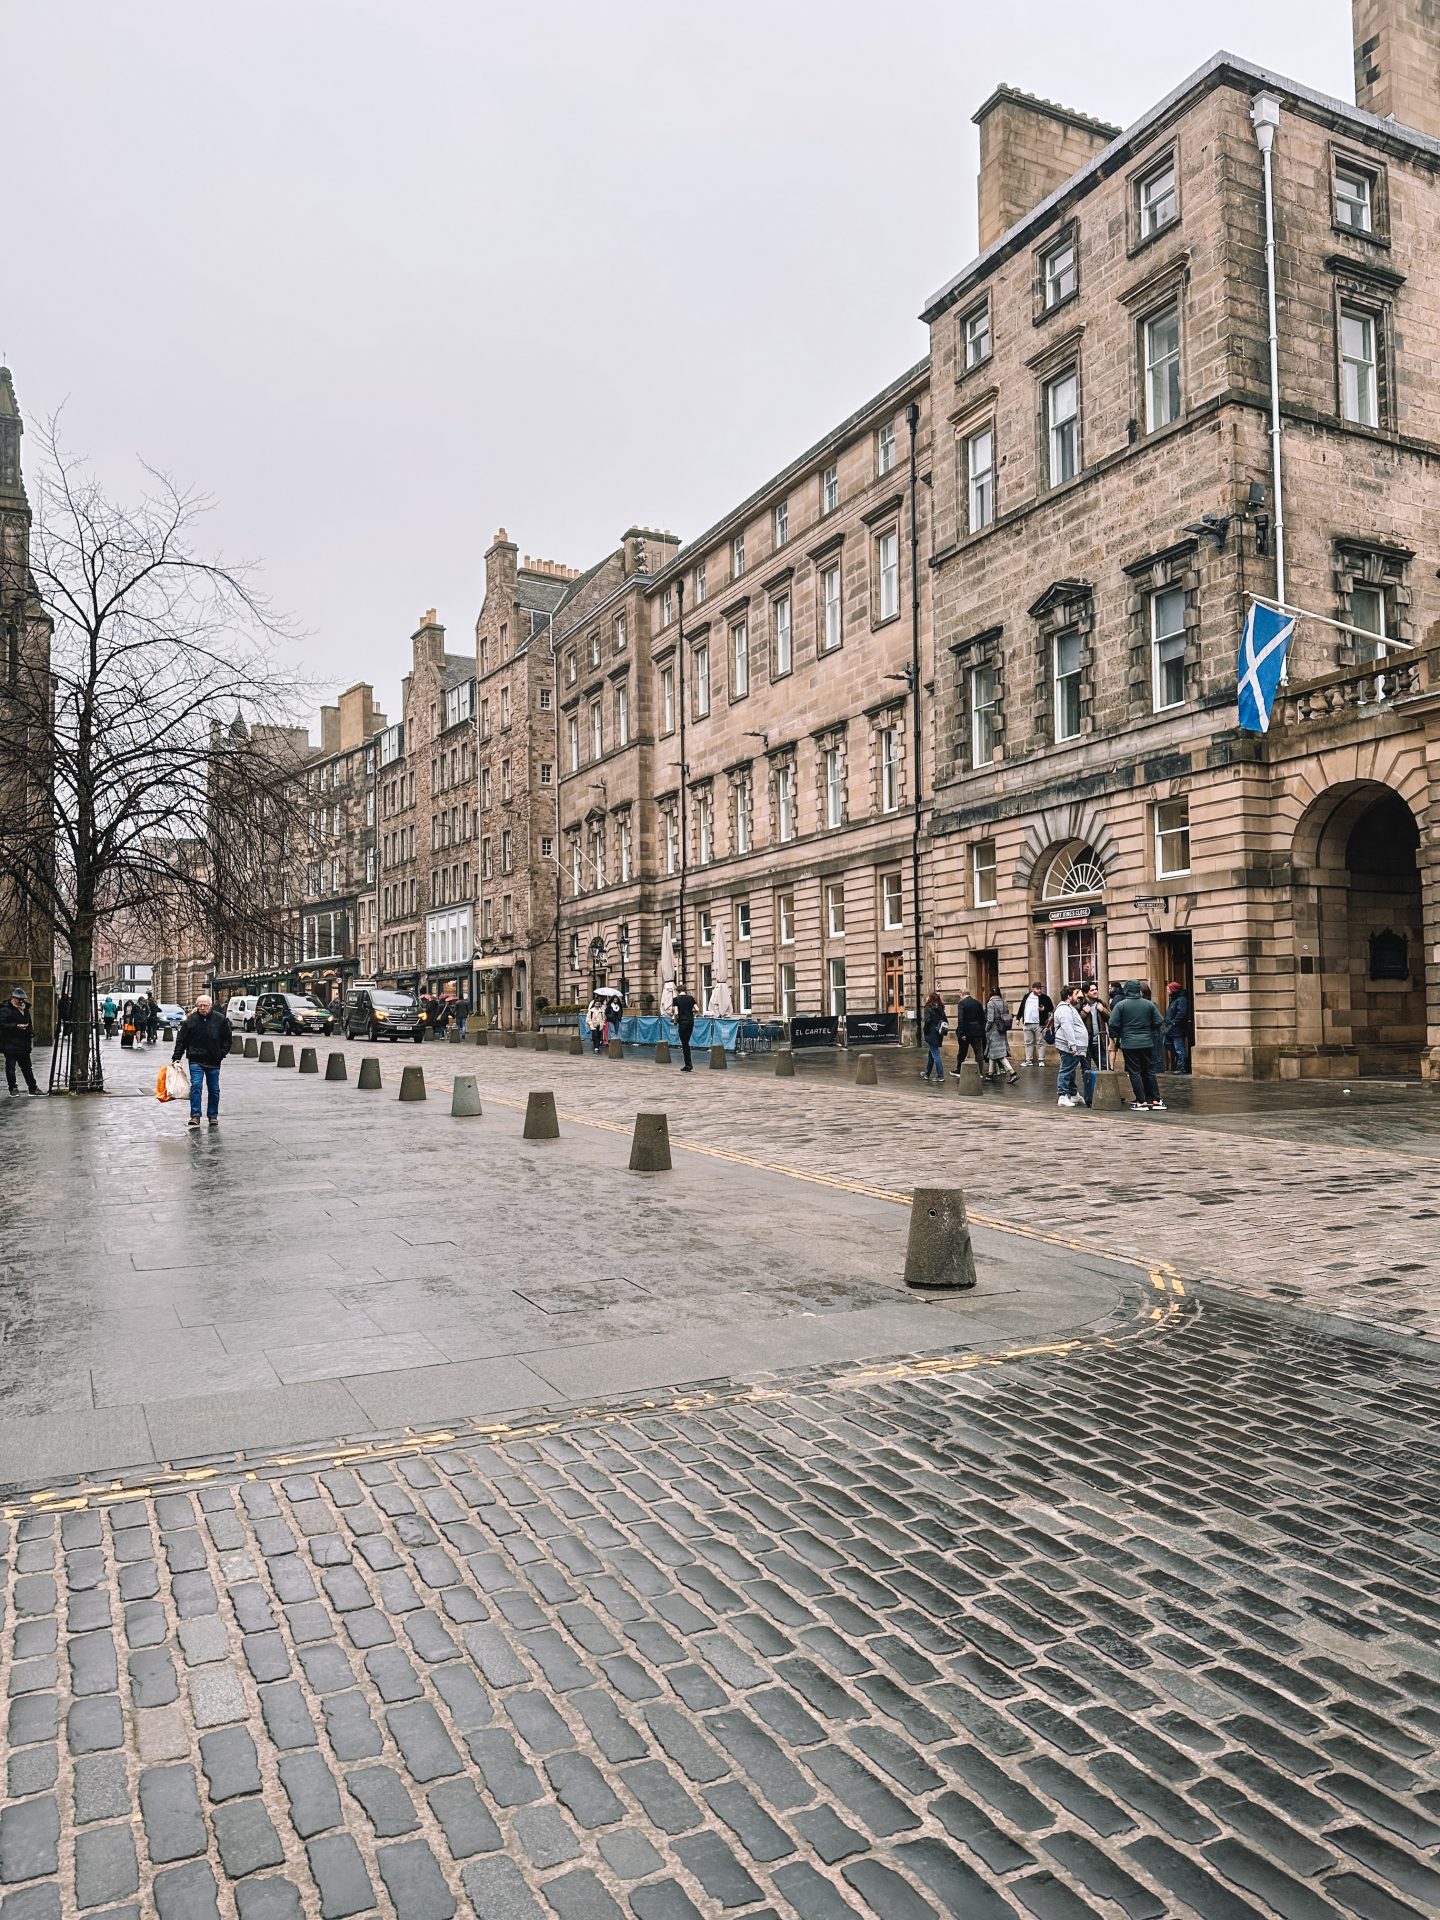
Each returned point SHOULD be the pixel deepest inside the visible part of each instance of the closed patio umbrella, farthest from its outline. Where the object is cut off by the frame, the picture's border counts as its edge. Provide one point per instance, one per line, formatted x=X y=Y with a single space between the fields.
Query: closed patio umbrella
x=721 y=1006
x=666 y=972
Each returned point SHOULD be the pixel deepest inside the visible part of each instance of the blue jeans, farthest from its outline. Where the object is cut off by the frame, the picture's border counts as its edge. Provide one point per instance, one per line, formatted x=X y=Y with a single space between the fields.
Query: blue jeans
x=1068 y=1065
x=1176 y=1043
x=208 y=1078
x=932 y=1059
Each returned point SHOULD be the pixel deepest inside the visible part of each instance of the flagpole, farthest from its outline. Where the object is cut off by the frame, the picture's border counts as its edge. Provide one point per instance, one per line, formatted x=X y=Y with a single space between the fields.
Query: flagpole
x=1361 y=633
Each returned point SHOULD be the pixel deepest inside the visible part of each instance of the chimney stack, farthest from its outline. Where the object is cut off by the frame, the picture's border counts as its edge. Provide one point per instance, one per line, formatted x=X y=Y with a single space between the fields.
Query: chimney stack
x=1028 y=148
x=1397 y=61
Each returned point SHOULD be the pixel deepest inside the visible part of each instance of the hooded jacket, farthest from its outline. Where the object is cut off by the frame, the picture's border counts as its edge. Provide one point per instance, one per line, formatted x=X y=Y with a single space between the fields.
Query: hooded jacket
x=1135 y=1022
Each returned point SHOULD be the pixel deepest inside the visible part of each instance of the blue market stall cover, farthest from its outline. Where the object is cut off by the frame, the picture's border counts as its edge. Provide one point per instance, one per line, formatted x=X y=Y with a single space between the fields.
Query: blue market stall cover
x=643 y=1030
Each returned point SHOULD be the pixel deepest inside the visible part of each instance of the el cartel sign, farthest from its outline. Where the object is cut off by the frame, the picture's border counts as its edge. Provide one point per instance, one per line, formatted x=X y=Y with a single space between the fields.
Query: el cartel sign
x=1223 y=983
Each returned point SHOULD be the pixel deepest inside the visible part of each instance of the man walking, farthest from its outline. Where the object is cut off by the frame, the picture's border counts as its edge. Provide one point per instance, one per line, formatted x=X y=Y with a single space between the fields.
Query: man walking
x=934 y=1027
x=970 y=1032
x=1136 y=1027
x=205 y=1038
x=1177 y=1026
x=17 y=1036
x=684 y=1009
x=1073 y=1041
x=1035 y=1013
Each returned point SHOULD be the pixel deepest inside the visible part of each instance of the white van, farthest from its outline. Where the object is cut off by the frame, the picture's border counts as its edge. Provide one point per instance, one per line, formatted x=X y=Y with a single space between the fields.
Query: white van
x=239 y=1010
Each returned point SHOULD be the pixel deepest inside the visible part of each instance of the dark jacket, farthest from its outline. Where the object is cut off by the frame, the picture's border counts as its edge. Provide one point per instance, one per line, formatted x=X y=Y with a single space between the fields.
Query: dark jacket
x=684 y=1011
x=970 y=1020
x=935 y=1024
x=205 y=1037
x=17 y=1028
x=1135 y=1022
x=1177 y=1014
x=1047 y=1006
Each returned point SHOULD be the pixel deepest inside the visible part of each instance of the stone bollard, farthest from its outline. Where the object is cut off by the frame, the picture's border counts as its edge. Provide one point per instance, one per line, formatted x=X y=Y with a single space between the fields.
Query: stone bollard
x=252 y=1047
x=308 y=1062
x=717 y=1057
x=542 y=1043
x=168 y=1033
x=455 y=1036
x=286 y=1056
x=784 y=1064
x=412 y=1083
x=464 y=1097
x=865 y=1071
x=968 y=1080
x=615 y=1047
x=662 y=1053
x=1037 y=1085
x=541 y=1122
x=266 y=1055
x=650 y=1144
x=237 y=1043
x=335 y=1067
x=511 y=1038
x=1113 y=1092
x=938 y=1255
x=577 y=1045
x=481 y=1036
x=369 y=1074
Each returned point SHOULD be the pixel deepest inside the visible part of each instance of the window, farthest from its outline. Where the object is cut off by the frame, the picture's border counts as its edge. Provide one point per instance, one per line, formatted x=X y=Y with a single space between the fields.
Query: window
x=1067 y=685
x=980 y=469
x=547 y=847
x=742 y=920
x=785 y=802
x=547 y=773
x=739 y=659
x=1062 y=421
x=742 y=816
x=700 y=583
x=982 y=873
x=1354 y=199
x=575 y=868
x=830 y=608
x=667 y=606
x=835 y=909
x=782 y=522
x=984 y=701
x=835 y=976
x=544 y=699
x=1358 y=386
x=572 y=668
x=976 y=329
x=702 y=680
x=1167 y=643
x=1156 y=202
x=623 y=835
x=505 y=781
x=622 y=714
x=667 y=699
x=834 y=788
x=1162 y=368
x=885 y=448
x=787 y=989
x=504 y=640
x=504 y=706
x=597 y=731
x=785 y=918
x=1059 y=273
x=1172 y=837
x=784 y=658
x=595 y=648
x=887 y=569
x=668 y=820
x=1367 y=610
x=485 y=794
x=705 y=828
x=737 y=556
x=620 y=633
x=706 y=932
x=507 y=852
x=830 y=489
x=892 y=901
x=744 y=998
x=574 y=734
x=889 y=769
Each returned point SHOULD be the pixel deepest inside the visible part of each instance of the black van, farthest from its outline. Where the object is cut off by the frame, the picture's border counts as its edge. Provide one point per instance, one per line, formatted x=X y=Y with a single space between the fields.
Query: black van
x=374 y=1013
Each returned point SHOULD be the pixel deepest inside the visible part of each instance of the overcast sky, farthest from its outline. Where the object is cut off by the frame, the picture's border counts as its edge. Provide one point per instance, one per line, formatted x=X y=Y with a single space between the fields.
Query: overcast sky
x=383 y=276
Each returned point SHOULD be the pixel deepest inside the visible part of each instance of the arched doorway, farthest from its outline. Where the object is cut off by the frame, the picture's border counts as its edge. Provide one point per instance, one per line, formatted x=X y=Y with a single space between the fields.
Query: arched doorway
x=1361 y=988
x=1071 y=916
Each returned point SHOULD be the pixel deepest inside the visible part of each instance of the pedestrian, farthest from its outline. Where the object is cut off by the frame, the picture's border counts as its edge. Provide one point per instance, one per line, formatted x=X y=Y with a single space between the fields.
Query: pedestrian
x=17 y=1036
x=934 y=1026
x=595 y=1021
x=1136 y=1026
x=1073 y=1041
x=1176 y=1027
x=998 y=1022
x=1036 y=1010
x=152 y=1019
x=204 y=1037
x=684 y=1009
x=108 y=1012
x=127 y=1025
x=970 y=1031
x=441 y=1017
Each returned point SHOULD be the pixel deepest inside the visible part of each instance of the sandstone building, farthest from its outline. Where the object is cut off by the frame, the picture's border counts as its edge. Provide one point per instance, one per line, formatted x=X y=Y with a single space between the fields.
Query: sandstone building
x=335 y=930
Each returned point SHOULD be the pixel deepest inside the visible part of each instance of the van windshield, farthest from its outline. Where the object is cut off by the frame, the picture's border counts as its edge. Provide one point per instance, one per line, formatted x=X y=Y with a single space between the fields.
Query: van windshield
x=304 y=1002
x=401 y=1001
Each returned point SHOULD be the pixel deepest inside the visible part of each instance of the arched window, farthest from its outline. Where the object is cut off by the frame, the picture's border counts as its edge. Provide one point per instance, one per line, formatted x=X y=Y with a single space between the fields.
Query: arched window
x=1075 y=873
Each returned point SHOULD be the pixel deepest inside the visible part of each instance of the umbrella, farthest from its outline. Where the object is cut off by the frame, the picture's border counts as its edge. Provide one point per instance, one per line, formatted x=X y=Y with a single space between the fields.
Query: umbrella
x=721 y=1005
x=667 y=971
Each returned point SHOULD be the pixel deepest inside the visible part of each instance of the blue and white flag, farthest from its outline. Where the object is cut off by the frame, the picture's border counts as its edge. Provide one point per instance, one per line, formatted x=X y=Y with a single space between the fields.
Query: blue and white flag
x=1262 y=659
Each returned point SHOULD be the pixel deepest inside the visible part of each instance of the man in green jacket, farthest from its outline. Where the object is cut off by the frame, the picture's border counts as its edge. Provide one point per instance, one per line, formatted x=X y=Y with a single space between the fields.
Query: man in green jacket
x=1136 y=1024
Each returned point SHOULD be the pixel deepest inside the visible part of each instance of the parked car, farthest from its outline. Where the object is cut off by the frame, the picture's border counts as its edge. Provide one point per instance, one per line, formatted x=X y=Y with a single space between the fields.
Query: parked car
x=374 y=1013
x=171 y=1014
x=240 y=1011
x=292 y=1013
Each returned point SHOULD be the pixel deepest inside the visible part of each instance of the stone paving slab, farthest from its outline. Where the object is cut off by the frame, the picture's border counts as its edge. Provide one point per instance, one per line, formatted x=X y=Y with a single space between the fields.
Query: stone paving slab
x=1148 y=1627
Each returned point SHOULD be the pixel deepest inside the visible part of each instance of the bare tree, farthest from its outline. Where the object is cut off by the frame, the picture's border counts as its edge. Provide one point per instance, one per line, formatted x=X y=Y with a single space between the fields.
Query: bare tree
x=153 y=807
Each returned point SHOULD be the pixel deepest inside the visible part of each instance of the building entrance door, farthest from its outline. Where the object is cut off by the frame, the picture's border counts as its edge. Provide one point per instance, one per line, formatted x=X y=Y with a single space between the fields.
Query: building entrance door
x=984 y=972
x=892 y=974
x=1171 y=960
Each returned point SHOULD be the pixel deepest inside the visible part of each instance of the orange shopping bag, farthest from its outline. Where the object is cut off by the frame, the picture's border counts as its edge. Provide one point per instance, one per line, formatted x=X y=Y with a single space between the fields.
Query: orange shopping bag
x=162 y=1091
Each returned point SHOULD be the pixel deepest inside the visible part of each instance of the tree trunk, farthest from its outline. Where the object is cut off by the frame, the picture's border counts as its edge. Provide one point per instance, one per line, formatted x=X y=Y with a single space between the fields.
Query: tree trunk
x=82 y=1006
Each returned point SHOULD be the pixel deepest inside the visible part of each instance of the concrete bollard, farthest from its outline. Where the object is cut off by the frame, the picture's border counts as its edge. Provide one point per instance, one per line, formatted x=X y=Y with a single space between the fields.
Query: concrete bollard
x=481 y=1036
x=511 y=1038
x=541 y=1122
x=662 y=1053
x=252 y=1047
x=1037 y=1085
x=784 y=1064
x=308 y=1061
x=577 y=1045
x=938 y=1255
x=615 y=1047
x=1113 y=1092
x=266 y=1055
x=542 y=1043
x=650 y=1144
x=286 y=1056
x=237 y=1043
x=865 y=1071
x=464 y=1097
x=717 y=1057
x=968 y=1080
x=369 y=1074
x=335 y=1067
x=412 y=1083
x=455 y=1036
x=167 y=1033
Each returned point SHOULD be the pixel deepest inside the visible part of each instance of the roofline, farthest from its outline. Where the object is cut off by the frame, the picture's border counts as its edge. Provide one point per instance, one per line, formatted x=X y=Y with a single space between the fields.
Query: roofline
x=1219 y=69
x=1052 y=109
x=691 y=550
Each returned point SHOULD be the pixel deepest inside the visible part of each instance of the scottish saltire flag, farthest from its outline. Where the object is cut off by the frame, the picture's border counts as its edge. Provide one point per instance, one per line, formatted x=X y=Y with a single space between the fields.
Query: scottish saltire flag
x=1262 y=657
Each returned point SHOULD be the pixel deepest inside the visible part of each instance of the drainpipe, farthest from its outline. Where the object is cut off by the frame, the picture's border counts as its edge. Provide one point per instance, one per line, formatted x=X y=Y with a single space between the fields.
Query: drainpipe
x=1265 y=116
x=912 y=419
x=684 y=827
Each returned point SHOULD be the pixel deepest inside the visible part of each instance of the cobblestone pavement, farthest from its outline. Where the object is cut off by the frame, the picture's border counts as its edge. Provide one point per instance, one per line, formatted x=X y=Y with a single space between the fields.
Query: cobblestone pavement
x=1148 y=1628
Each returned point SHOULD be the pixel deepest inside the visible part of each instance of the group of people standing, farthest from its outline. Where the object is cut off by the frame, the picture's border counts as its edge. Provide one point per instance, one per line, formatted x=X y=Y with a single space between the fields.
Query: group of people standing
x=1084 y=1027
x=443 y=1010
x=137 y=1019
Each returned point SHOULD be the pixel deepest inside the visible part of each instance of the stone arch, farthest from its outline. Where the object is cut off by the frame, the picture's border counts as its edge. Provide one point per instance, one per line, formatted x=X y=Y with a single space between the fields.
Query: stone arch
x=1054 y=831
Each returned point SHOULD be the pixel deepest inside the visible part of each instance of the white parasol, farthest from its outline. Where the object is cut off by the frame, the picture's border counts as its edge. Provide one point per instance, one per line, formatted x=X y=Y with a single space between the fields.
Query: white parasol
x=667 y=971
x=721 y=1006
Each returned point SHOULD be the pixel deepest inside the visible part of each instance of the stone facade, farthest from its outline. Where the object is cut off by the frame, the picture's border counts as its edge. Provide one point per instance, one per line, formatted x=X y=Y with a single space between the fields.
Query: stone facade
x=1028 y=148
x=335 y=931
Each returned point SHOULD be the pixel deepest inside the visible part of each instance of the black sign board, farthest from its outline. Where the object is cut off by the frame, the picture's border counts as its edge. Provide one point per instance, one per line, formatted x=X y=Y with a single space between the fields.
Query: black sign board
x=1223 y=983
x=871 y=1029
x=1078 y=915
x=814 y=1030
